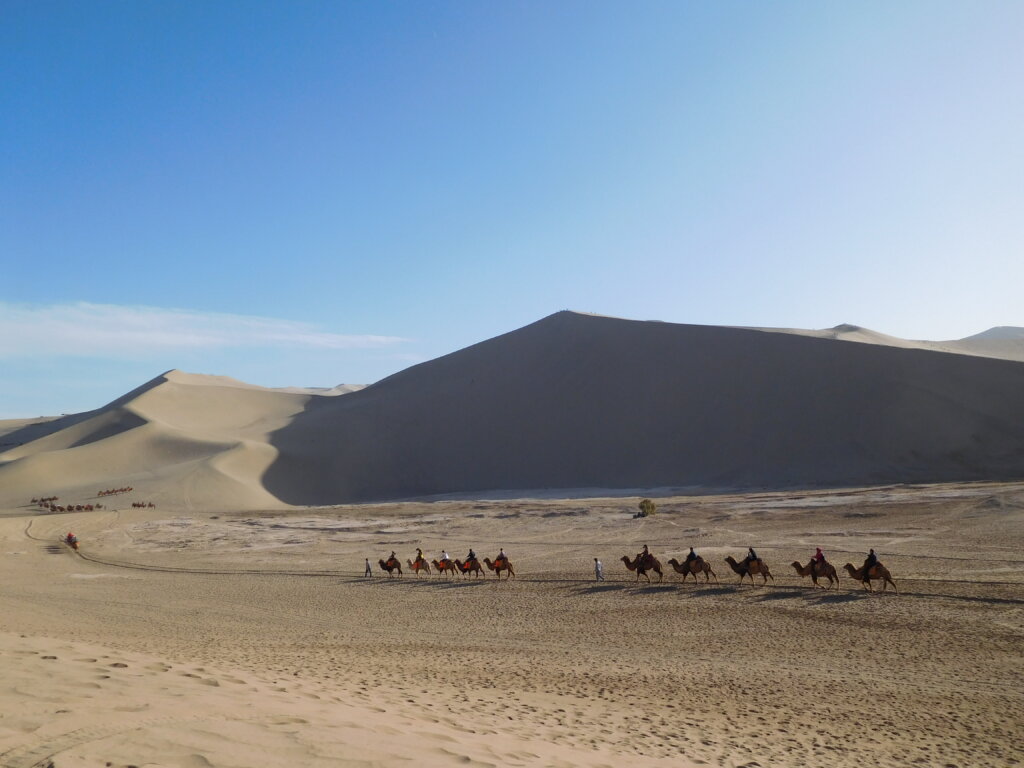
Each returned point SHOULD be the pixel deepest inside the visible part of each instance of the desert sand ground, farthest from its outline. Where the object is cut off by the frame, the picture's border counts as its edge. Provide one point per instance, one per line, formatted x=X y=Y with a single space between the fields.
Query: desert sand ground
x=251 y=638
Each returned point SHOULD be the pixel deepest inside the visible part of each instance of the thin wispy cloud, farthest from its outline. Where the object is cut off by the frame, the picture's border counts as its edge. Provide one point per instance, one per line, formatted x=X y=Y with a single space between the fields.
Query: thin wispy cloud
x=107 y=330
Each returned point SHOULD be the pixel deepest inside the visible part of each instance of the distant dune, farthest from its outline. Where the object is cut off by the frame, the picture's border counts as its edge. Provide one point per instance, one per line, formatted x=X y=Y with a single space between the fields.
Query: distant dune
x=572 y=401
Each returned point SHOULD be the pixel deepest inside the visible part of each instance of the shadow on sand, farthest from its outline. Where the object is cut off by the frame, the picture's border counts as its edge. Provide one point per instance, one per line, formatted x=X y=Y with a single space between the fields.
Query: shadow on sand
x=595 y=589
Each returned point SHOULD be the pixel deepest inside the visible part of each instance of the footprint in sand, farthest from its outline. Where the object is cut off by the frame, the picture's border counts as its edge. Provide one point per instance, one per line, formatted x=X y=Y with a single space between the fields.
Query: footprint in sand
x=436 y=736
x=49 y=657
x=119 y=665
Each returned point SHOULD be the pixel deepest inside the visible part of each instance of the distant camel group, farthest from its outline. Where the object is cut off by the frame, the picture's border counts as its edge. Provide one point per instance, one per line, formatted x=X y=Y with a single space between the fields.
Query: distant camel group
x=114 y=491
x=47 y=503
x=449 y=567
x=642 y=563
x=143 y=505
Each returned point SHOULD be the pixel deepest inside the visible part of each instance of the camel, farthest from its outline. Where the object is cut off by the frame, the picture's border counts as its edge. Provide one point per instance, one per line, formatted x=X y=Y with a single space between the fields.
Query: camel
x=699 y=565
x=816 y=571
x=391 y=565
x=420 y=565
x=499 y=565
x=878 y=571
x=470 y=566
x=444 y=567
x=749 y=569
x=650 y=563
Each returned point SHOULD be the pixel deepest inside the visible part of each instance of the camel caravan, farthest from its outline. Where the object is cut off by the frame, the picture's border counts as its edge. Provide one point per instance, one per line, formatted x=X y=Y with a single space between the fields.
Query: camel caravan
x=115 y=491
x=448 y=566
x=644 y=563
x=47 y=503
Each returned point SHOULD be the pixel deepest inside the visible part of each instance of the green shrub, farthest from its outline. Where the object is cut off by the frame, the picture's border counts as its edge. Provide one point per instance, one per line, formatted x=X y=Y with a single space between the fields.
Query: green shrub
x=647 y=507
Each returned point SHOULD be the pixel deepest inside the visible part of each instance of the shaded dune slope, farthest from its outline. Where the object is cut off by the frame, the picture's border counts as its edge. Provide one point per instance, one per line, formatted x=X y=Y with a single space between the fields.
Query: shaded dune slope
x=572 y=401
x=577 y=401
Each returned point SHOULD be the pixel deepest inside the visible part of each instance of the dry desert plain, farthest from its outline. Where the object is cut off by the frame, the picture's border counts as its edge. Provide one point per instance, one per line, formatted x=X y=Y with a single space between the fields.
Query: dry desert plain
x=220 y=638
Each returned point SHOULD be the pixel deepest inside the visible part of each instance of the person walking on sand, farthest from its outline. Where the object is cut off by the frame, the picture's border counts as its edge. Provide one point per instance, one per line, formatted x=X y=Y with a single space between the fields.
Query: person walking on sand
x=598 y=570
x=369 y=571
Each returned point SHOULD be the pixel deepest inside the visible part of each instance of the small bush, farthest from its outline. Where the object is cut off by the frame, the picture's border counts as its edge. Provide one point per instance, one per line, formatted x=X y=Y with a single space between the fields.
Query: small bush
x=647 y=508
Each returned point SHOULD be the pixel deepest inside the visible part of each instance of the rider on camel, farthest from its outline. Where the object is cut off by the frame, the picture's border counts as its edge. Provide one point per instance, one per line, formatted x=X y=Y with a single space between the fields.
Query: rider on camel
x=502 y=555
x=869 y=563
x=419 y=555
x=641 y=557
x=751 y=557
x=691 y=556
x=818 y=560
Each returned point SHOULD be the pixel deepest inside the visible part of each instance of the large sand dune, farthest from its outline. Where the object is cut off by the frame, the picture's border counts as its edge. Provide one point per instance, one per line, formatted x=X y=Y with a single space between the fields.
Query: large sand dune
x=573 y=401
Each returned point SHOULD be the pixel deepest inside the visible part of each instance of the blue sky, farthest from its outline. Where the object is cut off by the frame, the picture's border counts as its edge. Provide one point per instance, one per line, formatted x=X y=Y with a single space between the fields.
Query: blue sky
x=310 y=193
